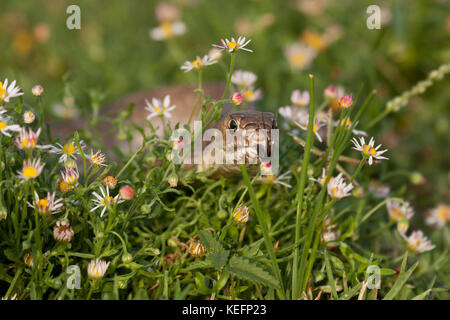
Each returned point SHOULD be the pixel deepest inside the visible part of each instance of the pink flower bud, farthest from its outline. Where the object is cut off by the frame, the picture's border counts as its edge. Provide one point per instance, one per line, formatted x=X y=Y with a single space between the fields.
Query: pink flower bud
x=346 y=101
x=37 y=90
x=126 y=192
x=237 y=98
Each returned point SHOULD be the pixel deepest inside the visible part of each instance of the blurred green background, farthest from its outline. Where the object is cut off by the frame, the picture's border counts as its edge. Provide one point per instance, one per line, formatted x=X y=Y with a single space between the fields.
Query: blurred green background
x=113 y=54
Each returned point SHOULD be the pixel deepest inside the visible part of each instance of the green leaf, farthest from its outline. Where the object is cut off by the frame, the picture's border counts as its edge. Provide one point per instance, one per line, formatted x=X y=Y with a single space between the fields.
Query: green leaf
x=211 y=244
x=198 y=265
x=422 y=296
x=398 y=285
x=219 y=259
x=242 y=268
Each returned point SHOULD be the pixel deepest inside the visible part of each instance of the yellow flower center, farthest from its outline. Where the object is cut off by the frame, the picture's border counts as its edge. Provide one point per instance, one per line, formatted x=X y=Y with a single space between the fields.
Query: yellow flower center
x=107 y=199
x=167 y=29
x=347 y=123
x=369 y=151
x=2 y=124
x=269 y=178
x=298 y=59
x=397 y=214
x=315 y=127
x=314 y=40
x=28 y=143
x=442 y=214
x=249 y=94
x=42 y=205
x=2 y=91
x=69 y=149
x=233 y=45
x=30 y=172
x=96 y=160
x=197 y=64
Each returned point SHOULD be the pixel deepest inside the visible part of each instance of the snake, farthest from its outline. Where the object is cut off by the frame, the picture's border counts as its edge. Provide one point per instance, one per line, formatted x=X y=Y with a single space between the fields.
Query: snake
x=185 y=98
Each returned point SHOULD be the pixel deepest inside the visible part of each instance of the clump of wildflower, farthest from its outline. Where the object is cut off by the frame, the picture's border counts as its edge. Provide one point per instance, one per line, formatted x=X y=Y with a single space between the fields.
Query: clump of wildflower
x=439 y=216
x=97 y=268
x=46 y=205
x=198 y=63
x=96 y=159
x=102 y=200
x=237 y=98
x=197 y=249
x=31 y=169
x=241 y=214
x=417 y=242
x=168 y=30
x=299 y=98
x=299 y=56
x=62 y=231
x=338 y=189
x=37 y=90
x=69 y=150
x=399 y=210
x=233 y=45
x=159 y=108
x=6 y=128
x=8 y=92
x=126 y=192
x=303 y=122
x=70 y=176
x=368 y=150
x=110 y=182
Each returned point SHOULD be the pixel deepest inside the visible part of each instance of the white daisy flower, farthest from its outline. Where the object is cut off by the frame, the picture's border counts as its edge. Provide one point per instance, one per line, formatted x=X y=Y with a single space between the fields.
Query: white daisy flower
x=300 y=56
x=198 y=63
x=69 y=150
x=333 y=93
x=322 y=179
x=168 y=30
x=293 y=114
x=27 y=140
x=417 y=242
x=243 y=79
x=347 y=123
x=338 y=189
x=97 y=268
x=438 y=217
x=399 y=210
x=31 y=169
x=368 y=150
x=101 y=201
x=316 y=126
x=215 y=54
x=272 y=178
x=7 y=93
x=251 y=95
x=47 y=204
x=62 y=231
x=233 y=45
x=158 y=108
x=97 y=159
x=6 y=128
x=299 y=98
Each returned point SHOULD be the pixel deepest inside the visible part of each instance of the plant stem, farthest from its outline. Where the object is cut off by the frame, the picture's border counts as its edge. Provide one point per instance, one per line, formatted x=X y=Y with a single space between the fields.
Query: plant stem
x=295 y=284
x=199 y=94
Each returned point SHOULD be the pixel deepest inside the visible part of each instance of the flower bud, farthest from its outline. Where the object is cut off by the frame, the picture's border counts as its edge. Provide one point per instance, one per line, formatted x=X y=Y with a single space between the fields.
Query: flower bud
x=64 y=186
x=70 y=164
x=241 y=214
x=197 y=249
x=173 y=180
x=110 y=182
x=62 y=231
x=237 y=98
x=37 y=90
x=172 y=243
x=28 y=117
x=28 y=259
x=402 y=226
x=417 y=178
x=346 y=101
x=127 y=258
x=126 y=192
x=3 y=212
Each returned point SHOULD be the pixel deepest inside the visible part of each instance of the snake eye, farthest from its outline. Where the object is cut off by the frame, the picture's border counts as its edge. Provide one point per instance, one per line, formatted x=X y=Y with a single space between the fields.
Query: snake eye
x=274 y=124
x=232 y=124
